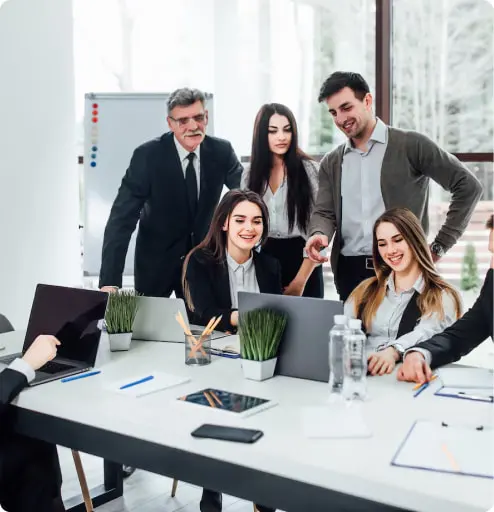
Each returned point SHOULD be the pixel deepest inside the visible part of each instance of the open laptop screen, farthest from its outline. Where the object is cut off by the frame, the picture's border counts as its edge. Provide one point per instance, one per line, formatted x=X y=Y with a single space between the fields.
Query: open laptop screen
x=70 y=314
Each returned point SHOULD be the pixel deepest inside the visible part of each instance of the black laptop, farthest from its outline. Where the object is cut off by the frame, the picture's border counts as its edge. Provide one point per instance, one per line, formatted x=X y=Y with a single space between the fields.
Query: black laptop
x=73 y=316
x=304 y=348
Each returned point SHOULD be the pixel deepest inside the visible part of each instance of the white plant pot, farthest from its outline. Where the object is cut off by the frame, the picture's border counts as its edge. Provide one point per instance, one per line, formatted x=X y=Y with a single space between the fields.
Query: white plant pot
x=259 y=370
x=120 y=341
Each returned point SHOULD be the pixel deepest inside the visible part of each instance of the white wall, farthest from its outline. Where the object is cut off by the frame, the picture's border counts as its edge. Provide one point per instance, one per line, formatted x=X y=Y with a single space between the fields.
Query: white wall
x=39 y=239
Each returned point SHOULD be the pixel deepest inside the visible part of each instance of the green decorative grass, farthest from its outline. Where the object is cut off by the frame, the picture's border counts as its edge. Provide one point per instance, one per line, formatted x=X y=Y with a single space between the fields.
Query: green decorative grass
x=260 y=333
x=121 y=311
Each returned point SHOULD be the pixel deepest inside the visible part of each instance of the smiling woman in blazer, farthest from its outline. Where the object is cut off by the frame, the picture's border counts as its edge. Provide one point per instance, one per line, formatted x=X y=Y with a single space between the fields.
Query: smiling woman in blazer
x=407 y=301
x=226 y=262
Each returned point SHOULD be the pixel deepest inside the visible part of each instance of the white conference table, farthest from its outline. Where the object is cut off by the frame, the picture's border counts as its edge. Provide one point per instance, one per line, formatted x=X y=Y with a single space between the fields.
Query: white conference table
x=284 y=469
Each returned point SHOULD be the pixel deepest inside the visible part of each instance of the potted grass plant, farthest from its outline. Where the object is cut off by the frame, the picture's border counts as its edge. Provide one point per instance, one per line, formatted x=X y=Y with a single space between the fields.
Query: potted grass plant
x=260 y=333
x=119 y=318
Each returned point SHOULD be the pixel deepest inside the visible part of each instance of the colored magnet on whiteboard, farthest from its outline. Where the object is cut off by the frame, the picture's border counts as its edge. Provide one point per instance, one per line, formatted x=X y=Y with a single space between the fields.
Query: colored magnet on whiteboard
x=94 y=148
x=93 y=164
x=93 y=156
x=95 y=112
x=95 y=119
x=95 y=105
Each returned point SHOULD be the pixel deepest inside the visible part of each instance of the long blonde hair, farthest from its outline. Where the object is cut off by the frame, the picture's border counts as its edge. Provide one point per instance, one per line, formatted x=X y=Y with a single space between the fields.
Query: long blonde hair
x=368 y=296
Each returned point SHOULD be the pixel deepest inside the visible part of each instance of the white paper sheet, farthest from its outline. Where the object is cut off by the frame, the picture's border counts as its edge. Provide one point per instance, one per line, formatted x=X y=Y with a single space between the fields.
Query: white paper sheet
x=335 y=420
x=451 y=448
x=160 y=382
x=467 y=377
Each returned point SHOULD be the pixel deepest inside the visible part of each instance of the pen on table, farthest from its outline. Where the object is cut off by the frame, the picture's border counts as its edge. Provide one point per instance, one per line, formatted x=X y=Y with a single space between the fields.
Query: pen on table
x=136 y=382
x=80 y=376
x=419 y=388
x=450 y=457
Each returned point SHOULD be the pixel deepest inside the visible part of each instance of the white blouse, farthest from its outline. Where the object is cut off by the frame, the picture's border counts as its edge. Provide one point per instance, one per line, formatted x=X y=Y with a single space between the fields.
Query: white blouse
x=277 y=202
x=385 y=325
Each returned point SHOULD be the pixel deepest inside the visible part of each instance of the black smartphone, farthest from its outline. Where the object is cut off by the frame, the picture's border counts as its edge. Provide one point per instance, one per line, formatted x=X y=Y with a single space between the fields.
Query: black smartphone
x=235 y=434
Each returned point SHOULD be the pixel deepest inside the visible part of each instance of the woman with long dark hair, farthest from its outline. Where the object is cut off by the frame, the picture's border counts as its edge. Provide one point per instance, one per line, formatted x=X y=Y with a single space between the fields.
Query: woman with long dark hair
x=227 y=261
x=223 y=264
x=287 y=179
x=407 y=301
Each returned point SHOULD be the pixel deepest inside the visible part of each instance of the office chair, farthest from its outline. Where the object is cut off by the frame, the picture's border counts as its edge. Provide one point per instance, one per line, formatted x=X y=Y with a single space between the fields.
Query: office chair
x=6 y=326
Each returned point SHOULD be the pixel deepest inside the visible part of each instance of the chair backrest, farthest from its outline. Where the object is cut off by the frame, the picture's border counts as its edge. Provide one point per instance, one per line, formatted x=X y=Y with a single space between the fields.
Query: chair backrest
x=5 y=325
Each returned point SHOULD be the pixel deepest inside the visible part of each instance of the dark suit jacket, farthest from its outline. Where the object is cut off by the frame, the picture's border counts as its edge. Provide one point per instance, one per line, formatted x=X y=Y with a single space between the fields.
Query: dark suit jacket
x=209 y=286
x=466 y=333
x=410 y=161
x=153 y=191
x=12 y=383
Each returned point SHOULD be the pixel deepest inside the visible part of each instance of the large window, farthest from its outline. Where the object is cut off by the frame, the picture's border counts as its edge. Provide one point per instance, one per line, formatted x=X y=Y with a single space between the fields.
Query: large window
x=245 y=52
x=442 y=62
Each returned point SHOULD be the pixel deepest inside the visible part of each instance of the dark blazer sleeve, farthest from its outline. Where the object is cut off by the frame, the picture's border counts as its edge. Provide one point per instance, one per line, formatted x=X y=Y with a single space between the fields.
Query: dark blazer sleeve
x=124 y=214
x=209 y=291
x=234 y=169
x=466 y=333
x=446 y=170
x=12 y=383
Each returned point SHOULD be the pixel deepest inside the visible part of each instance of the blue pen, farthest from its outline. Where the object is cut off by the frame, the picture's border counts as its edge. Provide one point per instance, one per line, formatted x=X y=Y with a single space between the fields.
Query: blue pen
x=80 y=376
x=140 y=381
x=421 y=388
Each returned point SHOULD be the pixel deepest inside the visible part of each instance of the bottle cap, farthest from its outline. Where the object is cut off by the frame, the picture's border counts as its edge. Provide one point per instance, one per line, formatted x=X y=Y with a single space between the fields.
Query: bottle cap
x=340 y=319
x=355 y=323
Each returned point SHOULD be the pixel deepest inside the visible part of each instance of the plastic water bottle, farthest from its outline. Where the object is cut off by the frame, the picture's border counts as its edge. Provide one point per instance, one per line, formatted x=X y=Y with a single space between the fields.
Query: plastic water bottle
x=355 y=362
x=336 y=351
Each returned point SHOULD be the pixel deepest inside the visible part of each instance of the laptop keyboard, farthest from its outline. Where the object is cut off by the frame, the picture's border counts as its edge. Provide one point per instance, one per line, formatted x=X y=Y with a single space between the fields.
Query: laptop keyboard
x=54 y=367
x=9 y=359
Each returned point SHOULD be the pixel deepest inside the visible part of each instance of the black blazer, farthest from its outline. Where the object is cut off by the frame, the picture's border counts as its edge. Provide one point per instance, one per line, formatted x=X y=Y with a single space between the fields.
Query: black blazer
x=209 y=285
x=466 y=333
x=153 y=191
x=12 y=383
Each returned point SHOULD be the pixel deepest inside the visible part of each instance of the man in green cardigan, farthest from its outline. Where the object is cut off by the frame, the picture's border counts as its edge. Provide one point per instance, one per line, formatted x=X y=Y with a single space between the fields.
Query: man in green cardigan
x=377 y=168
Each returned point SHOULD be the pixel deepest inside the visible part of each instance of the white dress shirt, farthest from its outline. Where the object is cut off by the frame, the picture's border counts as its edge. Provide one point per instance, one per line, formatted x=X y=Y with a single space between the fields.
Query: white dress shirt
x=362 y=201
x=277 y=202
x=183 y=154
x=19 y=365
x=385 y=325
x=242 y=278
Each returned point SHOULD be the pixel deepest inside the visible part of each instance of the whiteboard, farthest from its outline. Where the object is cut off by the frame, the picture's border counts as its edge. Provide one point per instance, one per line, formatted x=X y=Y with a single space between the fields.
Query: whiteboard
x=115 y=124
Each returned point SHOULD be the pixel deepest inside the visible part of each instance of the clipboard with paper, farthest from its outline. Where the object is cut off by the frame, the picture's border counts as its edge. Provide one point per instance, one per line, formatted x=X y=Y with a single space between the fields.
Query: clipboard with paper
x=475 y=394
x=448 y=448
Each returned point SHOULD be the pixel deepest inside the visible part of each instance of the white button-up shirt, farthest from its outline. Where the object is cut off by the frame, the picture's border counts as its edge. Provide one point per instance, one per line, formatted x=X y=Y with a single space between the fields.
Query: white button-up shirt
x=183 y=154
x=242 y=277
x=362 y=201
x=385 y=325
x=277 y=202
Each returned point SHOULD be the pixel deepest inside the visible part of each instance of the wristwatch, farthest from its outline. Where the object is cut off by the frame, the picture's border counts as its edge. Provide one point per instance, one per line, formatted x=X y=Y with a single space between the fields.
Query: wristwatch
x=437 y=249
x=399 y=348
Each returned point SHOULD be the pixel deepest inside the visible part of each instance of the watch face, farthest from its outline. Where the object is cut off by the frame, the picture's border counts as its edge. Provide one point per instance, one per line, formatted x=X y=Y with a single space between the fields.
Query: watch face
x=437 y=249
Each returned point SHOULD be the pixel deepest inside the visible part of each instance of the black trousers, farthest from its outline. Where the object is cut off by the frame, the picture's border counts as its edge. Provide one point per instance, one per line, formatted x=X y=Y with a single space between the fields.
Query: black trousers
x=289 y=252
x=211 y=501
x=351 y=271
x=30 y=477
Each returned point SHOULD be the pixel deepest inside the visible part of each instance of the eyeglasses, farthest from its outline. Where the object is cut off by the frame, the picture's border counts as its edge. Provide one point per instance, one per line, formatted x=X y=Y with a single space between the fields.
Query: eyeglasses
x=184 y=121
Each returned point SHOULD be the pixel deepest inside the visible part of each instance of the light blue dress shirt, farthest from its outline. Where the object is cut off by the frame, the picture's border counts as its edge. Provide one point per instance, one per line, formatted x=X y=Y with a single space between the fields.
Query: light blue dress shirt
x=362 y=201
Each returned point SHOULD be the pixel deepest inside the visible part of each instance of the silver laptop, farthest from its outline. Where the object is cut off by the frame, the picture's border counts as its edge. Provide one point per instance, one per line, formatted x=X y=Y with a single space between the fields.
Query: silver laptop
x=72 y=315
x=304 y=348
x=155 y=320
